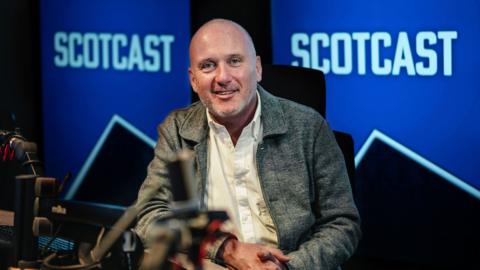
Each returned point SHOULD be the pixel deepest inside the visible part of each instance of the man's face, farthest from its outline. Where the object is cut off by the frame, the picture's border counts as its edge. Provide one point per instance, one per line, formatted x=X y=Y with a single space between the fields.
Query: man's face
x=224 y=71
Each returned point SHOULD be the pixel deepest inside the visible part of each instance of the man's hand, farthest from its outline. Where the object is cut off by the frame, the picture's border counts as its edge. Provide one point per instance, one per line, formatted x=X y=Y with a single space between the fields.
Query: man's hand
x=244 y=256
x=274 y=255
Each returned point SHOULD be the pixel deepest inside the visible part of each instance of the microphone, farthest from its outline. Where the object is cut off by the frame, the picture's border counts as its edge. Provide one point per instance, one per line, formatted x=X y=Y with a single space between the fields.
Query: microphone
x=182 y=181
x=15 y=146
x=182 y=171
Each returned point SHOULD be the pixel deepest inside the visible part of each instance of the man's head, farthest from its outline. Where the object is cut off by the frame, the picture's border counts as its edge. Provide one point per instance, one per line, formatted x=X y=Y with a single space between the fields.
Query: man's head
x=224 y=70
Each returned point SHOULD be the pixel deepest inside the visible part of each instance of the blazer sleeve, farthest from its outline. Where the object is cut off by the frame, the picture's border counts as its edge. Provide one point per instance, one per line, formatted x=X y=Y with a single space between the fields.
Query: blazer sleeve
x=157 y=184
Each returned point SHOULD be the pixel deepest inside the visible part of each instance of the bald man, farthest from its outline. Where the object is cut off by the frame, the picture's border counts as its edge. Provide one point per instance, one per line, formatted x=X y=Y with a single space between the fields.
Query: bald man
x=272 y=164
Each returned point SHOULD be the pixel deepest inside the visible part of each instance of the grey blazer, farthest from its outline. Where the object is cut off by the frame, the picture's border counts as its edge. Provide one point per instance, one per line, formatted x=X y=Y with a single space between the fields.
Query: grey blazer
x=302 y=174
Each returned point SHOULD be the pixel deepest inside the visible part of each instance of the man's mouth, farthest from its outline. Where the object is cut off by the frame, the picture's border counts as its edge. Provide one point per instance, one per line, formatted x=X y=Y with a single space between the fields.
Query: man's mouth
x=224 y=92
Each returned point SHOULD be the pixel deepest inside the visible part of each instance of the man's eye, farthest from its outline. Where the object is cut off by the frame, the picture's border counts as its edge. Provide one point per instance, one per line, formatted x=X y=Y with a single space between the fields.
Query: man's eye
x=235 y=61
x=207 y=66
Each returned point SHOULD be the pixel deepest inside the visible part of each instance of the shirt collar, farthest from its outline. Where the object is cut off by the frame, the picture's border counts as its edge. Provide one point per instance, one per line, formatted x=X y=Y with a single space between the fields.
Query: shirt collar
x=194 y=126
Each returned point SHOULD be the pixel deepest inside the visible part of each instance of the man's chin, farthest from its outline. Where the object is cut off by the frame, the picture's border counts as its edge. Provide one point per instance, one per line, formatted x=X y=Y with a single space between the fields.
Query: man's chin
x=224 y=114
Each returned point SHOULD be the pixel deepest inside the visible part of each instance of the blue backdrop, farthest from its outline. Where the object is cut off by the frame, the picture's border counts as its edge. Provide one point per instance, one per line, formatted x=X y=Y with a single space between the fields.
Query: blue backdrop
x=101 y=58
x=405 y=68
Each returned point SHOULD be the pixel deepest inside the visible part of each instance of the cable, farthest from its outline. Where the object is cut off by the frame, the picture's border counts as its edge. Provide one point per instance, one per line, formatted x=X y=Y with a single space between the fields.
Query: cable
x=46 y=264
x=65 y=179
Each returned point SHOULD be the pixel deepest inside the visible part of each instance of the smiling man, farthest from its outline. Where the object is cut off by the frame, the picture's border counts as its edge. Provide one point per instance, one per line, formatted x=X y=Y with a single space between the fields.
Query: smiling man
x=224 y=71
x=272 y=164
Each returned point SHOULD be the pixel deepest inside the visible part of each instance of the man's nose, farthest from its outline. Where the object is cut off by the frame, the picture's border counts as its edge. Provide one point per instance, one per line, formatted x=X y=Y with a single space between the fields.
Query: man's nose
x=223 y=76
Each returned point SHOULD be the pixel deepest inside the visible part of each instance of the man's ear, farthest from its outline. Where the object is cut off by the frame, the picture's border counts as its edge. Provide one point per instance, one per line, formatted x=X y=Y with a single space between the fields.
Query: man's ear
x=193 y=80
x=258 y=68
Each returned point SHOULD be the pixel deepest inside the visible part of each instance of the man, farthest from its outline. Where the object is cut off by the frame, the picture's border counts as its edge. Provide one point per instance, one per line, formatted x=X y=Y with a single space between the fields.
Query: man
x=271 y=163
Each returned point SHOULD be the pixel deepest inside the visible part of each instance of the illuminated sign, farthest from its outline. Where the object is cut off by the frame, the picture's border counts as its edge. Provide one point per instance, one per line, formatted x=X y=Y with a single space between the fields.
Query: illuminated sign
x=326 y=52
x=408 y=69
x=106 y=58
x=95 y=50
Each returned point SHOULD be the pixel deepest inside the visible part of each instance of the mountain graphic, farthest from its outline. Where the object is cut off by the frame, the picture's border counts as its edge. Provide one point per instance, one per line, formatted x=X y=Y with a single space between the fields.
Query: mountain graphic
x=116 y=166
x=413 y=212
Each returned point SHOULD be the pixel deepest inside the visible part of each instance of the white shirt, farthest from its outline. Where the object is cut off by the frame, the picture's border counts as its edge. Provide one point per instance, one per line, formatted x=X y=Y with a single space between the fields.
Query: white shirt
x=233 y=183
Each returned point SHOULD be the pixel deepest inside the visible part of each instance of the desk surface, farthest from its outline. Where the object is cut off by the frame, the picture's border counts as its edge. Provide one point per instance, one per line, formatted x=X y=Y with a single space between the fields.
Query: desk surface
x=6 y=218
